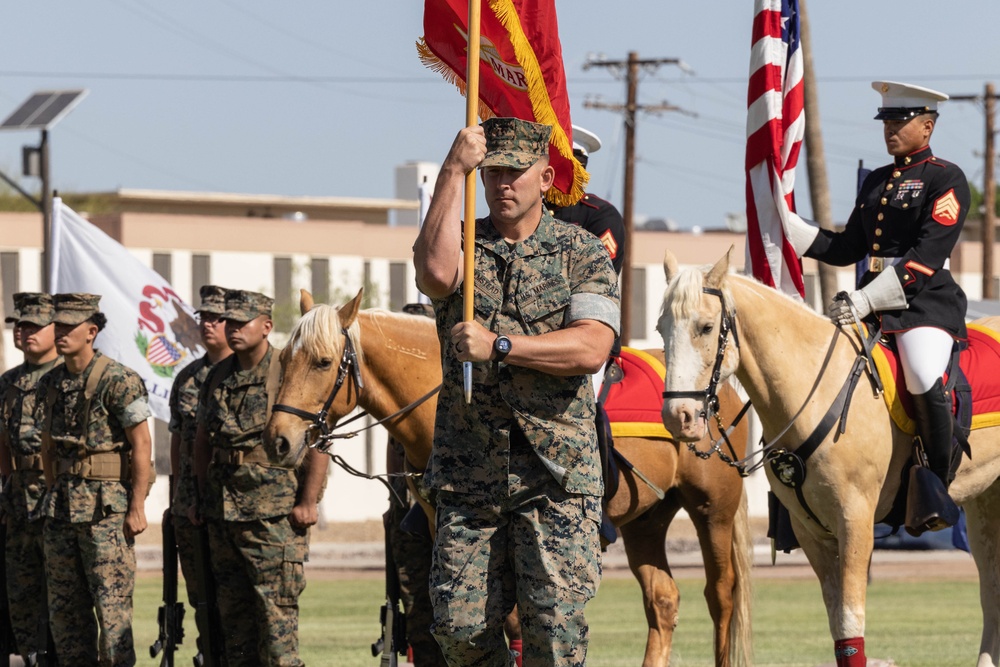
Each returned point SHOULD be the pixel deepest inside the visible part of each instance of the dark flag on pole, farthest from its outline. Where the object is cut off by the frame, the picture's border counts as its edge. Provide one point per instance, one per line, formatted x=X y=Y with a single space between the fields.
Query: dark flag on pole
x=521 y=72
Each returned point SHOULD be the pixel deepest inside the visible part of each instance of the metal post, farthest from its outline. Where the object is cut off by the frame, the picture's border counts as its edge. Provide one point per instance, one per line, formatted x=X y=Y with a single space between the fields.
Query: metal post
x=43 y=149
x=989 y=196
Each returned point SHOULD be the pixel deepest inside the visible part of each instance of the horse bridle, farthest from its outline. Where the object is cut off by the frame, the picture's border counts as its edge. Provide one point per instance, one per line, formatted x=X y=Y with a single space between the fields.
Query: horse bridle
x=709 y=396
x=349 y=368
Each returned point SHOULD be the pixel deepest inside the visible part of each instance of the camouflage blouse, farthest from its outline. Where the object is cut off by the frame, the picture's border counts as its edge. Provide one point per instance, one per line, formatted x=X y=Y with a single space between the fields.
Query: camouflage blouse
x=24 y=490
x=119 y=403
x=184 y=423
x=558 y=275
x=234 y=414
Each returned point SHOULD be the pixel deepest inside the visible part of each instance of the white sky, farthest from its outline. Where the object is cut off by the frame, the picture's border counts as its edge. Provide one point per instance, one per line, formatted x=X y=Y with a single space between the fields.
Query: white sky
x=326 y=97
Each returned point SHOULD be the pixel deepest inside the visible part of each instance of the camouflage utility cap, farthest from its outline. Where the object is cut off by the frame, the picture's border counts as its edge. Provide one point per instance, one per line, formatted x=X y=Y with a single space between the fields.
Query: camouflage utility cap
x=75 y=308
x=213 y=299
x=34 y=307
x=243 y=306
x=515 y=143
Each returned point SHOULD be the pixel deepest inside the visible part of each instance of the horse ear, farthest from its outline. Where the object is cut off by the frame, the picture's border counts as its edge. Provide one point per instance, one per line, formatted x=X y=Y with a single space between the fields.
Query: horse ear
x=349 y=311
x=719 y=271
x=669 y=265
x=305 y=301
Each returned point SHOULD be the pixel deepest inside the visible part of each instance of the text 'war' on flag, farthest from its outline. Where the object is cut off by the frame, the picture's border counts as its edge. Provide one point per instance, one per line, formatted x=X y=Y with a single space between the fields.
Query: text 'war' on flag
x=150 y=328
x=521 y=72
x=775 y=128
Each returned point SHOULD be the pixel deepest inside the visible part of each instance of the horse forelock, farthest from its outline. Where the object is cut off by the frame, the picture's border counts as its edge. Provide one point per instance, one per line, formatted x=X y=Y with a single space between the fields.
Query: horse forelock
x=685 y=292
x=317 y=335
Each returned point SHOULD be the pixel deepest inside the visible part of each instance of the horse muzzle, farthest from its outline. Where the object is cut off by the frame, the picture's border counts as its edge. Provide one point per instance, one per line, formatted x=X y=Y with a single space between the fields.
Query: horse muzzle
x=685 y=419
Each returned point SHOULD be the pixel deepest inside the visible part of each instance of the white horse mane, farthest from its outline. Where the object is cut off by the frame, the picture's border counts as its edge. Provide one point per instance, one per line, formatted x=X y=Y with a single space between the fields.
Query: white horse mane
x=685 y=290
x=317 y=334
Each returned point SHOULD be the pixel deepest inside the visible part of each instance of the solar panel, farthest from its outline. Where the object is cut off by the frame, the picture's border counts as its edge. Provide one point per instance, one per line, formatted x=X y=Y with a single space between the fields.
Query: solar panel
x=43 y=110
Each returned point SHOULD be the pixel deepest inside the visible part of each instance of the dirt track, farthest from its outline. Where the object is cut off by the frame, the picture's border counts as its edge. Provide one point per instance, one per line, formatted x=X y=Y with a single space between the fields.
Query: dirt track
x=353 y=550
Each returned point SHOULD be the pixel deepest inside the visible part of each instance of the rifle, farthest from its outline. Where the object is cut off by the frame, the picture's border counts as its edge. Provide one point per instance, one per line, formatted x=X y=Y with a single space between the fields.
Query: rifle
x=171 y=613
x=391 y=617
x=210 y=638
x=8 y=644
x=46 y=654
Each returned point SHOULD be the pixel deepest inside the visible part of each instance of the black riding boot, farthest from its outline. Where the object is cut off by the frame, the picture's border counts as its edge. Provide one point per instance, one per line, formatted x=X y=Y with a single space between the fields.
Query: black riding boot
x=928 y=505
x=935 y=426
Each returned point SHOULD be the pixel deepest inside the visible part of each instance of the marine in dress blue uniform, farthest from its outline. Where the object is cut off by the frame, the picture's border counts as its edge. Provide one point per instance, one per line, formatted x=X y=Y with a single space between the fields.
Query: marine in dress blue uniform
x=597 y=216
x=908 y=218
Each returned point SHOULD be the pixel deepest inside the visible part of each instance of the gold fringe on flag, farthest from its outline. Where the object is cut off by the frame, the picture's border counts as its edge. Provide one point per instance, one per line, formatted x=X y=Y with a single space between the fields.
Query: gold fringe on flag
x=538 y=94
x=540 y=102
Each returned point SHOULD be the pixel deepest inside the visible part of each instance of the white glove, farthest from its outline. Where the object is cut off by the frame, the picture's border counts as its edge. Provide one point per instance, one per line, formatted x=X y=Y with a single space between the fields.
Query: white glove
x=800 y=234
x=840 y=312
x=883 y=293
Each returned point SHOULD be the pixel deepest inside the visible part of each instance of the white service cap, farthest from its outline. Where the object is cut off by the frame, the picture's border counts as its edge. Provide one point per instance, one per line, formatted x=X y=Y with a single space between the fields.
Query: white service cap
x=585 y=141
x=902 y=101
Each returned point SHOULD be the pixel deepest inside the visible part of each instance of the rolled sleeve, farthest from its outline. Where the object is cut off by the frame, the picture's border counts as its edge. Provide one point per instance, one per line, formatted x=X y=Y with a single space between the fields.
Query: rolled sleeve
x=135 y=412
x=589 y=306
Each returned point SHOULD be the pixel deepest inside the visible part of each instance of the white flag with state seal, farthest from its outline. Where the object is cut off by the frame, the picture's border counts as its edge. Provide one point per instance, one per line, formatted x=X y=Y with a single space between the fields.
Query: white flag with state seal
x=150 y=328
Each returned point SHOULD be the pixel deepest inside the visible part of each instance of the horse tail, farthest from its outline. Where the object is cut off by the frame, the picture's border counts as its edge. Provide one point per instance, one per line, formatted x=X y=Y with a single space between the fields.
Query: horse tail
x=740 y=635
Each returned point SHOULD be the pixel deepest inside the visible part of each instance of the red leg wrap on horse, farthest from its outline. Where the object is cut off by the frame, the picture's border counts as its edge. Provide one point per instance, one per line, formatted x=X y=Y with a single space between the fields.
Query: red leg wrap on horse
x=850 y=652
x=515 y=648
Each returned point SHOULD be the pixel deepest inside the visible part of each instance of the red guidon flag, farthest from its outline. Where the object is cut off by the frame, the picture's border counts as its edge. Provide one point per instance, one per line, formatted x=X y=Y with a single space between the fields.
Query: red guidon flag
x=521 y=72
x=775 y=126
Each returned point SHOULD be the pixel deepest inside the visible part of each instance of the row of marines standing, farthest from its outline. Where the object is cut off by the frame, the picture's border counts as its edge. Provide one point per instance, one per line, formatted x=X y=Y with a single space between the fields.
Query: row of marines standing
x=75 y=454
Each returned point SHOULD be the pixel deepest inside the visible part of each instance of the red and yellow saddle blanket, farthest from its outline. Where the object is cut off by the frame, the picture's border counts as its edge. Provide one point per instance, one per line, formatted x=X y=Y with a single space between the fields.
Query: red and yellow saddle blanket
x=634 y=404
x=980 y=362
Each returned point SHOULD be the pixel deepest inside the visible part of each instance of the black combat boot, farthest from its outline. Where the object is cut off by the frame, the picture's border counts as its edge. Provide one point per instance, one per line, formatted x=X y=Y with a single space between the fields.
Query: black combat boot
x=928 y=506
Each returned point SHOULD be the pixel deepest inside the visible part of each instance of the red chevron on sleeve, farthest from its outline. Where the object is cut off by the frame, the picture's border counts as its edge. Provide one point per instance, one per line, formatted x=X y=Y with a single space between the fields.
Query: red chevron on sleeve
x=946 y=208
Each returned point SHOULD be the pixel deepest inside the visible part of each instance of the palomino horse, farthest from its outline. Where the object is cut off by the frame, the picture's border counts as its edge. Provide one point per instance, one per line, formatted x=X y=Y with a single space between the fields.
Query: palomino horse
x=397 y=357
x=793 y=363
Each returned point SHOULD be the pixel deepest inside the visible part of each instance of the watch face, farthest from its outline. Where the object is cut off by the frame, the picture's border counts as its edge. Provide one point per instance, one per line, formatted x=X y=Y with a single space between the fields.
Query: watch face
x=503 y=345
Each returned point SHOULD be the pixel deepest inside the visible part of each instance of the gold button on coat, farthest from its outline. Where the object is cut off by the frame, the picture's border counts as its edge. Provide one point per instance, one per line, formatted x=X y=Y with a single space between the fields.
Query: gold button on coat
x=878 y=231
x=875 y=246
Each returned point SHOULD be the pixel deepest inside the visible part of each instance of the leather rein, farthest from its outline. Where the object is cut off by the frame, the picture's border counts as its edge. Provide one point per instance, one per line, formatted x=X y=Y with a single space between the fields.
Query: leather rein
x=788 y=465
x=710 y=396
x=348 y=372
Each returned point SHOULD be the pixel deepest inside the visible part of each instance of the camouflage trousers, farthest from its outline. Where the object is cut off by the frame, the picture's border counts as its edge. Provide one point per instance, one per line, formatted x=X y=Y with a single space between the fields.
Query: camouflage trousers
x=259 y=575
x=184 y=531
x=25 y=556
x=537 y=547
x=90 y=568
x=411 y=552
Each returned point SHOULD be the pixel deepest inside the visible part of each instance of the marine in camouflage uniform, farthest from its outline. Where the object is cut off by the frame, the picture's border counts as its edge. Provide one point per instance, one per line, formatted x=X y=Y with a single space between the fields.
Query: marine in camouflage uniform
x=96 y=453
x=258 y=514
x=517 y=472
x=183 y=427
x=21 y=466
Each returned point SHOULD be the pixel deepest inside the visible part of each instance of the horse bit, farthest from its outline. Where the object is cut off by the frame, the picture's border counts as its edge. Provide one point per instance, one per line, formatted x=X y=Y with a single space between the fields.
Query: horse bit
x=348 y=368
x=710 y=397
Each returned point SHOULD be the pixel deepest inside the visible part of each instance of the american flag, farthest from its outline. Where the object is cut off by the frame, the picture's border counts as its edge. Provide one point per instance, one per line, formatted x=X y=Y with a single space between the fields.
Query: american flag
x=775 y=126
x=162 y=352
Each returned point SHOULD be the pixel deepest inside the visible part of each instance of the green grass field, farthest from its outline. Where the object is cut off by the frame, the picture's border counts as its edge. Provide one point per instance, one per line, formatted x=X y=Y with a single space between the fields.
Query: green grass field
x=935 y=624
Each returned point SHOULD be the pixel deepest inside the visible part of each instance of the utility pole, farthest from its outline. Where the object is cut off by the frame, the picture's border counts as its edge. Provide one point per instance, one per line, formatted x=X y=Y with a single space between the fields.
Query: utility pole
x=819 y=186
x=988 y=235
x=631 y=69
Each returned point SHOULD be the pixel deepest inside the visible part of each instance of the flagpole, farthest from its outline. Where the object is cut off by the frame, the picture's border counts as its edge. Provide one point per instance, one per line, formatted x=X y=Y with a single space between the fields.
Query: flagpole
x=469 y=228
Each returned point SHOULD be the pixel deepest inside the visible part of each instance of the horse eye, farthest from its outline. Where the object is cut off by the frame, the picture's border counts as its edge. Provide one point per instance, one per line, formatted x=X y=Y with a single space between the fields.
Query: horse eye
x=324 y=364
x=706 y=329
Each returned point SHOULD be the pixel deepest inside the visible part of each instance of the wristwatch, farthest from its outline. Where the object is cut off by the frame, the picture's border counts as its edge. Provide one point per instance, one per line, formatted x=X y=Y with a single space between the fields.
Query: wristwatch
x=501 y=346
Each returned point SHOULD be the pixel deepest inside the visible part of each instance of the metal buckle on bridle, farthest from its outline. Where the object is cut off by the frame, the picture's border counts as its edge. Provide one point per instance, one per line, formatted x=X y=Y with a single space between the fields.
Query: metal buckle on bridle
x=348 y=368
x=709 y=395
